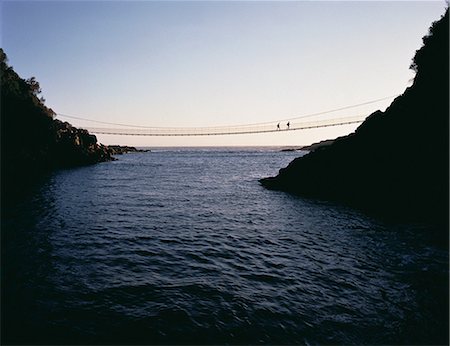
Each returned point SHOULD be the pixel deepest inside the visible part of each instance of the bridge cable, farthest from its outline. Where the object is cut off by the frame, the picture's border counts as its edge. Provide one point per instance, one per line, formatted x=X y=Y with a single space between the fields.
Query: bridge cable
x=228 y=126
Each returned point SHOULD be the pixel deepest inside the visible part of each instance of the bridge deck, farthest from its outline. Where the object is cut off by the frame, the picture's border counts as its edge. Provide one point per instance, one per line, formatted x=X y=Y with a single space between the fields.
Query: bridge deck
x=221 y=131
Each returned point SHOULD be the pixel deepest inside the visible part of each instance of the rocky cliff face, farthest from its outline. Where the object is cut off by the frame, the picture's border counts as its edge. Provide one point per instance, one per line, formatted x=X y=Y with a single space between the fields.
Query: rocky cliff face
x=397 y=161
x=31 y=140
x=74 y=147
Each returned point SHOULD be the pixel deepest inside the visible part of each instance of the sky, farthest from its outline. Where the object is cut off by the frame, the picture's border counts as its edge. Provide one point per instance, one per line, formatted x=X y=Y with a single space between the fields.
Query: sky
x=215 y=63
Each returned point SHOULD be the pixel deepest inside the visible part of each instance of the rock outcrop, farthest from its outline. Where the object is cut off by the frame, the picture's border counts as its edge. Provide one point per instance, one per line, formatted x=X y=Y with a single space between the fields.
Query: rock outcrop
x=123 y=149
x=397 y=162
x=318 y=145
x=31 y=140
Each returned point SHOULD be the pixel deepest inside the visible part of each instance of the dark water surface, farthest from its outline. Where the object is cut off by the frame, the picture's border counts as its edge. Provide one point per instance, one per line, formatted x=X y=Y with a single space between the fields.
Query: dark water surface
x=185 y=246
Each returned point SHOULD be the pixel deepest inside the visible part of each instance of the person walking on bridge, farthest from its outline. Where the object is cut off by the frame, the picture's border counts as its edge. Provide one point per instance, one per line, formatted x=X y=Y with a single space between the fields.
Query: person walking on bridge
x=278 y=126
x=288 y=124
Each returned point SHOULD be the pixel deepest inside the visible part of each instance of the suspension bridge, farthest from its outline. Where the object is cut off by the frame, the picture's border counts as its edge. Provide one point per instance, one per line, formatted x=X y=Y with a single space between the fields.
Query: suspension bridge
x=280 y=126
x=220 y=131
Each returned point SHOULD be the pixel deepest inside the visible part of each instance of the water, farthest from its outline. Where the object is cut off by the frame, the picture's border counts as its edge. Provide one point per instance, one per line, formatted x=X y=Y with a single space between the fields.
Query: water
x=184 y=246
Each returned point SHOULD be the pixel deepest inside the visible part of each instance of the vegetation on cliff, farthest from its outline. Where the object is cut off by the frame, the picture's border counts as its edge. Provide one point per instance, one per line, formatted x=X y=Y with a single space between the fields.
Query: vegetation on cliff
x=31 y=139
x=397 y=161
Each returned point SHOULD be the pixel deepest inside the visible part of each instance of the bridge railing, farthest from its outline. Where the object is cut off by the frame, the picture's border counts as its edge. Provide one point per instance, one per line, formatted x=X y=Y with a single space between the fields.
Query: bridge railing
x=226 y=130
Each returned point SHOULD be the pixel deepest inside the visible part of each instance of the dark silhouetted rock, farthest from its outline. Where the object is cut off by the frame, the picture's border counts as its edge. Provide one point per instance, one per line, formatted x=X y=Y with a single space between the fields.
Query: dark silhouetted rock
x=31 y=140
x=289 y=149
x=397 y=162
x=123 y=149
x=319 y=145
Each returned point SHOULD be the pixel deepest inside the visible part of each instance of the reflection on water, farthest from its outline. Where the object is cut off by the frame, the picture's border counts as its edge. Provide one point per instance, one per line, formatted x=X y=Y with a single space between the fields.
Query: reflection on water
x=184 y=246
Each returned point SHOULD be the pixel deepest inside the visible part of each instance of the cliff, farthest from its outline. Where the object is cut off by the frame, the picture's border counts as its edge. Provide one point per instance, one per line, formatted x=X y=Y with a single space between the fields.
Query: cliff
x=31 y=140
x=397 y=162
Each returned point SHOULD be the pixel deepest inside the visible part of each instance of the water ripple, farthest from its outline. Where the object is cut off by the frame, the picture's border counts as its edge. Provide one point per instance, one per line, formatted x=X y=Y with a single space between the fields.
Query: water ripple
x=184 y=246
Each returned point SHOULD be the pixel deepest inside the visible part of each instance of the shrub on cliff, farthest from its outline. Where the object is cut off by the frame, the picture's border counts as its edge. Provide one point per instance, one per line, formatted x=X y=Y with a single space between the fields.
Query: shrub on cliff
x=31 y=140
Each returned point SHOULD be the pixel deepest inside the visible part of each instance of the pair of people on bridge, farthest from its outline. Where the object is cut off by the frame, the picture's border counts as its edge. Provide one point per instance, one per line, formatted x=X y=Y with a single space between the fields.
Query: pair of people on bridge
x=288 y=124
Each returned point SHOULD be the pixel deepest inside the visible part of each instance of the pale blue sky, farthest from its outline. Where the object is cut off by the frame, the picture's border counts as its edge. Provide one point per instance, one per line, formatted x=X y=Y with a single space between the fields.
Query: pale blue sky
x=214 y=63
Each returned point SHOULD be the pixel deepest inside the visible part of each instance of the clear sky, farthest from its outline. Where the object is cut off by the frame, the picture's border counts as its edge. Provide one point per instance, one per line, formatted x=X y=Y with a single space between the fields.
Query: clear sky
x=212 y=63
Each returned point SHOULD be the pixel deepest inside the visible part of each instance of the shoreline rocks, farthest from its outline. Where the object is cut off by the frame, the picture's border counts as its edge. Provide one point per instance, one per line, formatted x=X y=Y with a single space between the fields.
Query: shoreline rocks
x=124 y=149
x=318 y=145
x=32 y=141
x=311 y=147
x=397 y=162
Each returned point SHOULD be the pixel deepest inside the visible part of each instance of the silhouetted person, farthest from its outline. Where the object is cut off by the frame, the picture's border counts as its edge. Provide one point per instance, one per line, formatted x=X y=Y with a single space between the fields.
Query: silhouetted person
x=278 y=126
x=288 y=124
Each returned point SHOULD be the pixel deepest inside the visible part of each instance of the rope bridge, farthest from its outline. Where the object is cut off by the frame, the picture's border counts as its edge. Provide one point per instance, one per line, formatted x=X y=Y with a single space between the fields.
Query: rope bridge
x=220 y=131
x=282 y=125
